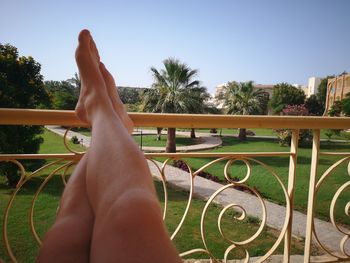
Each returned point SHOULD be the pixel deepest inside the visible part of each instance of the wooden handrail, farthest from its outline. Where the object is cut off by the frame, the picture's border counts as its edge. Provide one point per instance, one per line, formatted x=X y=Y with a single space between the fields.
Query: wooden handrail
x=68 y=118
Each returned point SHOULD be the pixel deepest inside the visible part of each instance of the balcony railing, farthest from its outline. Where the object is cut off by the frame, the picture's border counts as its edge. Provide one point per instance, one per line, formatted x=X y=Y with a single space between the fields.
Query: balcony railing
x=249 y=160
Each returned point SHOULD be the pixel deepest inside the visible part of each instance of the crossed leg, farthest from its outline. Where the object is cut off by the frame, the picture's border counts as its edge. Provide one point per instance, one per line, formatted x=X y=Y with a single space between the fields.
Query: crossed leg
x=69 y=238
x=127 y=221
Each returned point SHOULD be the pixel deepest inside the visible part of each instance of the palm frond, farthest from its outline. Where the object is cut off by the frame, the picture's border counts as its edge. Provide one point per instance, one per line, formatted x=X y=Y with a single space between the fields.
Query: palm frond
x=176 y=90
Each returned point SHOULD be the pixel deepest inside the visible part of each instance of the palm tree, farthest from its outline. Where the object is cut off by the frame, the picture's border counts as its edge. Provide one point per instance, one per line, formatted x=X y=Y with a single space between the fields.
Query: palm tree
x=173 y=91
x=198 y=99
x=242 y=99
x=76 y=82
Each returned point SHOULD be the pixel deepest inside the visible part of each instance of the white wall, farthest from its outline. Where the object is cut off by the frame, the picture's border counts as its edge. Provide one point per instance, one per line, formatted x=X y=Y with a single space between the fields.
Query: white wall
x=312 y=85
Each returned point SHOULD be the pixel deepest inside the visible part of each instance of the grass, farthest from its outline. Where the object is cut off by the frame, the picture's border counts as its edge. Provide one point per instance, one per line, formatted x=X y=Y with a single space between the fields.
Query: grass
x=227 y=131
x=189 y=236
x=84 y=131
x=21 y=238
x=54 y=144
x=258 y=132
x=343 y=135
x=25 y=248
x=151 y=140
x=262 y=179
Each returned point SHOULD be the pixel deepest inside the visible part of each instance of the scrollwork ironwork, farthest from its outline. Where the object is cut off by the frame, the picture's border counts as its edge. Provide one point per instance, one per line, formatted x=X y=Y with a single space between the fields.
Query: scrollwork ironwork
x=344 y=254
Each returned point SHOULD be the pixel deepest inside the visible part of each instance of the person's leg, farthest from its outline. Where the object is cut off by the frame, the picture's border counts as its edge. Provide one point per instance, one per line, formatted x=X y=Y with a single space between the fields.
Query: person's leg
x=119 y=107
x=128 y=223
x=74 y=222
x=69 y=238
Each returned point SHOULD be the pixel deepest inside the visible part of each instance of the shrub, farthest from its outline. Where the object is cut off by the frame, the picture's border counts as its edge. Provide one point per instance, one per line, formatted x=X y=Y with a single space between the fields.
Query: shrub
x=331 y=132
x=250 y=133
x=75 y=140
x=213 y=130
x=296 y=110
x=182 y=165
x=285 y=135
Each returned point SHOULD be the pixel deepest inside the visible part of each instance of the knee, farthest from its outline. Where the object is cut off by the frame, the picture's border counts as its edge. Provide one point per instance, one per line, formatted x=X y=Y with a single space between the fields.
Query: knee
x=134 y=208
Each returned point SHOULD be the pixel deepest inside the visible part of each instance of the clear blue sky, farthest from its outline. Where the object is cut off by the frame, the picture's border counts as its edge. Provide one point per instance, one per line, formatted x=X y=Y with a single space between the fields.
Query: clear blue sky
x=266 y=41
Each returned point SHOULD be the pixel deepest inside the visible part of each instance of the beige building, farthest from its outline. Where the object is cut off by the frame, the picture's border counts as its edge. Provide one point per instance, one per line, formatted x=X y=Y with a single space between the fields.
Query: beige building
x=337 y=88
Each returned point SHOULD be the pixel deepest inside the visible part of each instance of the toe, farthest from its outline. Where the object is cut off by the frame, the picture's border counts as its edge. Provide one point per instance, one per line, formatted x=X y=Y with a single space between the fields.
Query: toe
x=87 y=59
x=84 y=45
x=111 y=86
x=107 y=76
x=94 y=50
x=84 y=38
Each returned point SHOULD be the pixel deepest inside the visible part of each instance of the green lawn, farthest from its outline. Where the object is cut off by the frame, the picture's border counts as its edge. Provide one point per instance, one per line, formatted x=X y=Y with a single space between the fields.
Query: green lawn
x=262 y=179
x=84 y=131
x=270 y=132
x=258 y=132
x=151 y=140
x=25 y=248
x=225 y=131
x=54 y=144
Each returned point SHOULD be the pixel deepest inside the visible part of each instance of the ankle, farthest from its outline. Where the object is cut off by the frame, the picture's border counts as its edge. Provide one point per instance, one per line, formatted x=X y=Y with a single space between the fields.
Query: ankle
x=103 y=114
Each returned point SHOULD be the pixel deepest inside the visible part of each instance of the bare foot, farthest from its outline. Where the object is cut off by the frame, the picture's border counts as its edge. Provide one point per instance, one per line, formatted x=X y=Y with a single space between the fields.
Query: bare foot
x=94 y=96
x=115 y=99
x=98 y=86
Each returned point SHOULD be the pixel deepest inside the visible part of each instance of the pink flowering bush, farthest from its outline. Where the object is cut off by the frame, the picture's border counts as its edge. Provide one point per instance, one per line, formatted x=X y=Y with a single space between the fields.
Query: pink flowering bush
x=285 y=135
x=296 y=110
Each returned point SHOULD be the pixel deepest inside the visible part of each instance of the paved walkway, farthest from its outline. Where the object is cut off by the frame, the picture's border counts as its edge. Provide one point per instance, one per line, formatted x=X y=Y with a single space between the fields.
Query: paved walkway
x=207 y=141
x=205 y=188
x=274 y=137
x=84 y=140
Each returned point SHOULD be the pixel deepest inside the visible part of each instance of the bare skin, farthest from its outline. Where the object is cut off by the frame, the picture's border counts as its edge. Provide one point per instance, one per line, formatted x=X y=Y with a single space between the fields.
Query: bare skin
x=109 y=210
x=69 y=238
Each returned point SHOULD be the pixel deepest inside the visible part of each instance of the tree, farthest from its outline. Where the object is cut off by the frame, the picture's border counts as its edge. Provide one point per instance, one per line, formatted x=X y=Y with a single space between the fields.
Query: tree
x=172 y=92
x=130 y=95
x=241 y=99
x=21 y=86
x=200 y=96
x=314 y=106
x=64 y=94
x=336 y=109
x=285 y=94
x=76 y=82
x=264 y=99
x=322 y=93
x=346 y=105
